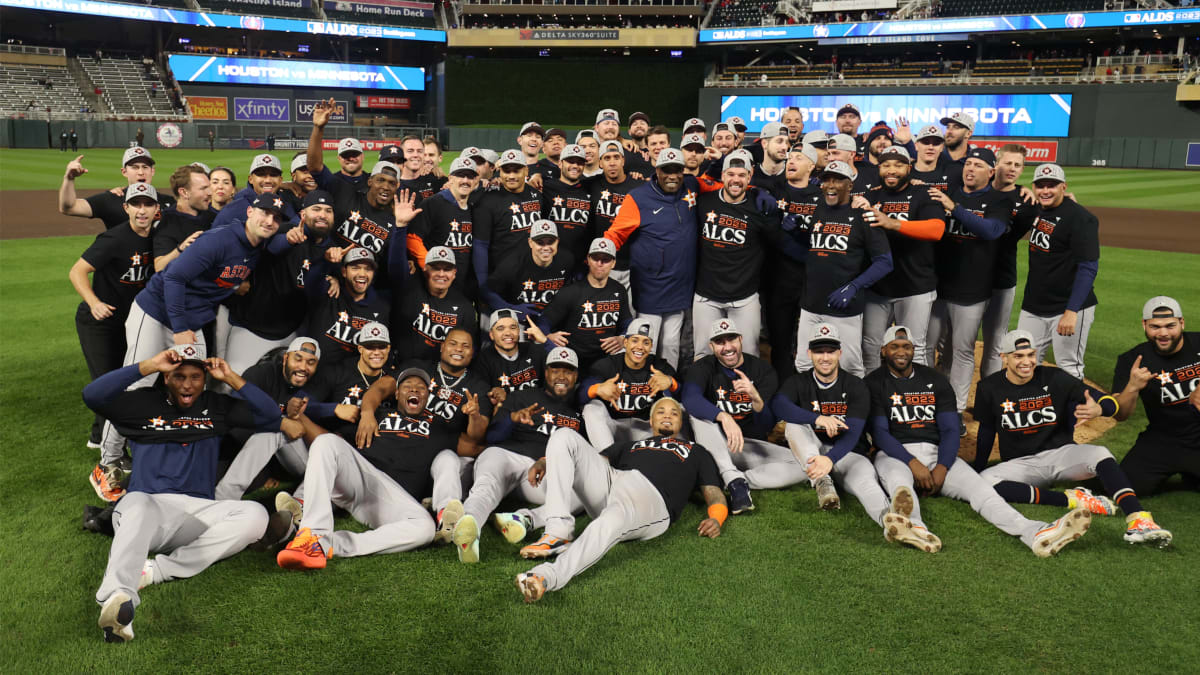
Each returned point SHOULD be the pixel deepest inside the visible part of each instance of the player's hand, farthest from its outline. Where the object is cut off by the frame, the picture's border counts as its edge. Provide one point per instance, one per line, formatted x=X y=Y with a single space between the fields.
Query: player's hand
x=659 y=381
x=334 y=254
x=190 y=240
x=402 y=208
x=941 y=198
x=1071 y=196
x=295 y=406
x=711 y=153
x=333 y=288
x=608 y=390
x=733 y=433
x=709 y=527
x=939 y=478
x=219 y=369
x=347 y=412
x=832 y=426
x=917 y=181
x=101 y=310
x=525 y=415
x=842 y=297
x=243 y=288
x=534 y=333
x=860 y=202
x=296 y=235
x=744 y=385
x=292 y=429
x=75 y=168
x=321 y=112
x=628 y=144
x=1066 y=324
x=186 y=337
x=818 y=467
x=497 y=395
x=560 y=338
x=412 y=268
x=1027 y=195
x=1088 y=410
x=612 y=344
x=535 y=181
x=921 y=476
x=537 y=472
x=1139 y=376
x=903 y=131
x=118 y=191
x=368 y=429
x=162 y=362
x=470 y=406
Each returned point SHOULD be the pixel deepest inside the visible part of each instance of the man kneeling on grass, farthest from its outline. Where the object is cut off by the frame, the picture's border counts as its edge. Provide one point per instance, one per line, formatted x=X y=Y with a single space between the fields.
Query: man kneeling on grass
x=633 y=491
x=169 y=506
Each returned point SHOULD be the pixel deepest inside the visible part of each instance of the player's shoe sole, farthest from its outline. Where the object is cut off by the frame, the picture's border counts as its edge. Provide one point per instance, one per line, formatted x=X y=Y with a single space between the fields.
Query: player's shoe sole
x=1061 y=532
x=1143 y=530
x=532 y=586
x=104 y=480
x=280 y=529
x=512 y=526
x=900 y=529
x=544 y=547
x=827 y=496
x=451 y=514
x=116 y=618
x=303 y=553
x=903 y=501
x=286 y=502
x=466 y=539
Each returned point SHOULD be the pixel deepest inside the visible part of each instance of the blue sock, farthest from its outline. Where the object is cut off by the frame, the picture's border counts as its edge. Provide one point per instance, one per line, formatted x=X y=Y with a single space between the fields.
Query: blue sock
x=1020 y=493
x=1117 y=485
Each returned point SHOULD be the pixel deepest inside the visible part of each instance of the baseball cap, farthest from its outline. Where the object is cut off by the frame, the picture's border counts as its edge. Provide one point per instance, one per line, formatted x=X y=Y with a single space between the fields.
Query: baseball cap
x=382 y=166
x=693 y=139
x=204 y=166
x=849 y=107
x=773 y=129
x=1052 y=172
x=984 y=155
x=605 y=148
x=737 y=122
x=543 y=228
x=896 y=332
x=723 y=126
x=562 y=356
x=359 y=254
x=843 y=142
x=265 y=161
x=1161 y=307
x=809 y=152
x=694 y=123
x=639 y=327
x=269 y=201
x=738 y=156
x=573 y=151
x=840 y=169
x=306 y=345
x=555 y=131
x=145 y=190
x=824 y=334
x=532 y=127
x=930 y=131
x=373 y=333
x=639 y=116
x=668 y=157
x=472 y=152
x=817 y=138
x=391 y=153
x=440 y=254
x=504 y=314
x=722 y=327
x=317 y=197
x=585 y=133
x=604 y=246
x=136 y=154
x=193 y=353
x=490 y=156
x=608 y=114
x=877 y=131
x=348 y=144
x=1016 y=339
x=510 y=158
x=895 y=152
x=960 y=118
x=413 y=372
x=464 y=164
x=300 y=161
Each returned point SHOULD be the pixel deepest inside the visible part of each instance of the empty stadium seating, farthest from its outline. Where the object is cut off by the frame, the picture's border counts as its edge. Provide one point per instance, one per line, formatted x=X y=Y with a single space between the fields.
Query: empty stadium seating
x=985 y=7
x=233 y=7
x=22 y=93
x=126 y=86
x=741 y=13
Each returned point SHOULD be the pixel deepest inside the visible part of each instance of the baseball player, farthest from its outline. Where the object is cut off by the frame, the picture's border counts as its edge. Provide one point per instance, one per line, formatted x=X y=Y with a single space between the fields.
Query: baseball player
x=819 y=140
x=846 y=255
x=336 y=318
x=695 y=155
x=349 y=151
x=633 y=491
x=527 y=281
x=547 y=166
x=179 y=227
x=1035 y=410
x=431 y=165
x=590 y=142
x=169 y=508
x=530 y=140
x=617 y=393
x=567 y=203
x=726 y=395
x=506 y=364
x=367 y=218
x=1059 y=304
x=119 y=262
x=826 y=412
x=841 y=148
x=589 y=315
x=879 y=138
x=785 y=286
x=517 y=437
x=914 y=425
x=503 y=217
x=301 y=184
x=265 y=178
x=445 y=220
x=1164 y=372
x=928 y=164
x=607 y=195
x=380 y=485
x=413 y=176
x=906 y=294
x=427 y=311
x=136 y=165
x=770 y=172
x=957 y=147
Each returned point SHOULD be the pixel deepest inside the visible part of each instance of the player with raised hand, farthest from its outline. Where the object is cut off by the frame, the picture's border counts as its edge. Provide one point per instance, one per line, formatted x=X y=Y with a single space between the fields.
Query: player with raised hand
x=914 y=425
x=1035 y=410
x=634 y=491
x=169 y=508
x=1164 y=372
x=179 y=227
x=505 y=363
x=136 y=165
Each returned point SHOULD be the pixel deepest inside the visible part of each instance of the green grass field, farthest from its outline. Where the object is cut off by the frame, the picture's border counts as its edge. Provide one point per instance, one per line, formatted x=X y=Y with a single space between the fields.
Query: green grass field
x=788 y=588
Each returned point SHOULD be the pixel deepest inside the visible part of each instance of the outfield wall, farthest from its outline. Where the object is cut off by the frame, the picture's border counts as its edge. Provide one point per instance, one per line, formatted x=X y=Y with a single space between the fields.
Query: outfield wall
x=1116 y=125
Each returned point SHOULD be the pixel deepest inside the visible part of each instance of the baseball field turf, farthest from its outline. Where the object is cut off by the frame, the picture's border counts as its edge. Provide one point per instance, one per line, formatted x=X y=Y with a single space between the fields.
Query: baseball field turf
x=787 y=588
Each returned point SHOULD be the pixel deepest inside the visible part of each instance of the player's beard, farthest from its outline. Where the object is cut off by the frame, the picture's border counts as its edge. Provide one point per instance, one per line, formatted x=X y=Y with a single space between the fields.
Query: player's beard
x=1171 y=348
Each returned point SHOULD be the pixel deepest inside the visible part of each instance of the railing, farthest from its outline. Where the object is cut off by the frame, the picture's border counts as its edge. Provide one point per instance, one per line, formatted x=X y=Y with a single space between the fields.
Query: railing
x=26 y=49
x=1139 y=60
x=983 y=80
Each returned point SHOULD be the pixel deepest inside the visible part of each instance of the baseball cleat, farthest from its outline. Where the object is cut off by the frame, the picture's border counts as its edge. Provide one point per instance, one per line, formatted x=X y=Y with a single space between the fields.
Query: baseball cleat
x=531 y=585
x=903 y=501
x=280 y=528
x=545 y=547
x=94 y=445
x=116 y=618
x=109 y=480
x=827 y=496
x=1143 y=530
x=933 y=539
x=98 y=520
x=1050 y=540
x=286 y=502
x=466 y=539
x=303 y=553
x=739 y=496
x=147 y=574
x=514 y=526
x=900 y=529
x=447 y=518
x=1097 y=504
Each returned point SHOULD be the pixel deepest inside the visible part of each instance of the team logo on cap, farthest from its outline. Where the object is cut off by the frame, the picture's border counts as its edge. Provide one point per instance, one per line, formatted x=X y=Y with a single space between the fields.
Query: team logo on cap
x=139 y=151
x=669 y=156
x=724 y=325
x=140 y=188
x=824 y=330
x=563 y=354
x=441 y=254
x=189 y=351
x=348 y=143
x=1045 y=171
x=267 y=159
x=278 y=203
x=374 y=332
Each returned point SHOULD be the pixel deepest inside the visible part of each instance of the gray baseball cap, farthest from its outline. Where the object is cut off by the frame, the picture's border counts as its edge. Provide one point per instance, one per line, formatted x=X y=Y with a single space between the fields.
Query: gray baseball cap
x=506 y=313
x=608 y=114
x=349 y=145
x=843 y=142
x=723 y=126
x=193 y=353
x=722 y=327
x=532 y=127
x=359 y=254
x=1161 y=307
x=667 y=157
x=472 y=152
x=204 y=166
x=562 y=356
x=265 y=161
x=585 y=133
x=136 y=153
x=413 y=372
x=464 y=164
x=895 y=152
x=840 y=169
x=737 y=122
x=693 y=139
x=849 y=107
x=1014 y=340
x=300 y=161
x=694 y=123
x=573 y=151
x=374 y=333
x=543 y=228
x=603 y=245
x=930 y=131
x=897 y=332
x=960 y=118
x=145 y=190
x=510 y=158
x=824 y=334
x=1052 y=172
x=381 y=166
x=490 y=156
x=816 y=138
x=735 y=157
x=307 y=345
x=773 y=129
x=441 y=254
x=605 y=148
x=639 y=327
x=808 y=151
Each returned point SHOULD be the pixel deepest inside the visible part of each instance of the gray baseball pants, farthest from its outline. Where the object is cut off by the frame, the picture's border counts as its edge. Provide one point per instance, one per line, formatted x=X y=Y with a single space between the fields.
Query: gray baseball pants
x=956 y=326
x=995 y=325
x=764 y=466
x=667 y=332
x=1069 y=462
x=499 y=472
x=253 y=457
x=746 y=313
x=1068 y=349
x=853 y=472
x=603 y=429
x=912 y=311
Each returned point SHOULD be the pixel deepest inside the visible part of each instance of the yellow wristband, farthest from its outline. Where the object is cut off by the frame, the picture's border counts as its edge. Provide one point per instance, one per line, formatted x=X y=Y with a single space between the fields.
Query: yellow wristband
x=1116 y=403
x=718 y=512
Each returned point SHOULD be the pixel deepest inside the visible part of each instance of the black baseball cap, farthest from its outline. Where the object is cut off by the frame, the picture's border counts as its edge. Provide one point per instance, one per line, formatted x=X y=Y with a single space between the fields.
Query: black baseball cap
x=269 y=201
x=317 y=197
x=391 y=153
x=639 y=116
x=983 y=154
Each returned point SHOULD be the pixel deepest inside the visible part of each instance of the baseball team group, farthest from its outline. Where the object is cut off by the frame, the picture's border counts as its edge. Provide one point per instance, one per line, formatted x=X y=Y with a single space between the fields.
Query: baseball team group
x=576 y=327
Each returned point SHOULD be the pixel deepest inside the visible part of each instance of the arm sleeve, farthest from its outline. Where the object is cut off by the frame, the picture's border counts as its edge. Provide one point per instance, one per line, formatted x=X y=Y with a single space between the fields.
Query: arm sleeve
x=189 y=265
x=1081 y=288
x=931 y=229
x=397 y=258
x=887 y=443
x=479 y=259
x=555 y=312
x=500 y=429
x=984 y=228
x=324 y=177
x=264 y=411
x=984 y=440
x=881 y=265
x=321 y=409
x=848 y=439
x=696 y=404
x=102 y=391
x=947 y=423
x=629 y=218
x=787 y=411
